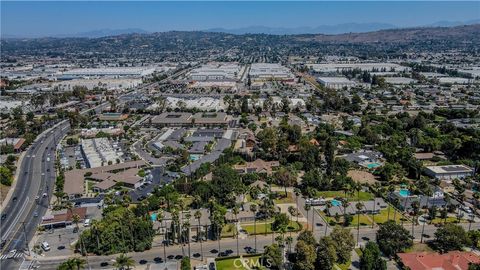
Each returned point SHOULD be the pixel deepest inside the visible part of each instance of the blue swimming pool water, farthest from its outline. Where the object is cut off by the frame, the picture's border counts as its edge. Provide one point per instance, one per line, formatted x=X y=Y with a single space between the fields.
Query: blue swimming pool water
x=153 y=216
x=195 y=157
x=336 y=202
x=404 y=192
x=373 y=165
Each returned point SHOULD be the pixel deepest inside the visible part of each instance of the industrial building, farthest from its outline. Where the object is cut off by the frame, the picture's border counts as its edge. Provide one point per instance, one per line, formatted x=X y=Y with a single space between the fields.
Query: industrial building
x=270 y=72
x=336 y=82
x=372 y=67
x=449 y=171
x=109 y=72
x=100 y=152
x=215 y=72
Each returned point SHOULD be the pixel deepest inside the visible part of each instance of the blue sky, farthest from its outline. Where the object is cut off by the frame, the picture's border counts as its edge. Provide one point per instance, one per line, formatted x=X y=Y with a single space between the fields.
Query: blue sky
x=22 y=18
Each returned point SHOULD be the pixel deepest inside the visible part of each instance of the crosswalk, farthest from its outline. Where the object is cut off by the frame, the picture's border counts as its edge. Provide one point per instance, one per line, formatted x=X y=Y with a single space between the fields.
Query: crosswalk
x=11 y=255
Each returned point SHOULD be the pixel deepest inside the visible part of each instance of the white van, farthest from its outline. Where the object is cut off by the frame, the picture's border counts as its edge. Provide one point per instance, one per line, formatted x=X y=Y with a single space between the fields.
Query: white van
x=45 y=246
x=86 y=223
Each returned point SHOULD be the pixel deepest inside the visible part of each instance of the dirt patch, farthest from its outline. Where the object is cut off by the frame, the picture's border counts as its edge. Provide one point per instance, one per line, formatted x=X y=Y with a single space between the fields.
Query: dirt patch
x=3 y=192
x=362 y=177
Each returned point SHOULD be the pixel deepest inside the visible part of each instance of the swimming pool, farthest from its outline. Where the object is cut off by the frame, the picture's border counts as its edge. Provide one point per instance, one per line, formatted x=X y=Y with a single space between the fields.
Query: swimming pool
x=373 y=165
x=195 y=157
x=153 y=216
x=404 y=192
x=336 y=202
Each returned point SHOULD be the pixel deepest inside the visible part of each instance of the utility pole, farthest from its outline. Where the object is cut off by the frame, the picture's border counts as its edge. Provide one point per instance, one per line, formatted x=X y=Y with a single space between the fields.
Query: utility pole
x=25 y=238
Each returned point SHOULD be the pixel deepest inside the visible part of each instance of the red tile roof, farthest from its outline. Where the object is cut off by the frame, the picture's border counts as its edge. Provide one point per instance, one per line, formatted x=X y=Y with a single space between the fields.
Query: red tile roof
x=454 y=260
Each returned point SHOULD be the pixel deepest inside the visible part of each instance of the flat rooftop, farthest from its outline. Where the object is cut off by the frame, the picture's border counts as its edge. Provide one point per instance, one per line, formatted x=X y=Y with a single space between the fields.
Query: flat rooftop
x=450 y=169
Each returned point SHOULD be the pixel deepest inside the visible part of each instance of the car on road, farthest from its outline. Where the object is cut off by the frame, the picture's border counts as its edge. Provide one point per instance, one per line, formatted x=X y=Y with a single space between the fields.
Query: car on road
x=35 y=214
x=178 y=257
x=15 y=199
x=103 y=264
x=4 y=216
x=158 y=260
x=142 y=262
x=44 y=195
x=213 y=251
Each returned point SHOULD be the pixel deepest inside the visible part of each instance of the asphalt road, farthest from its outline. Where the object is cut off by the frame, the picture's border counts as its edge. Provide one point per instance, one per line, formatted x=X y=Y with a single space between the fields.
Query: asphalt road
x=36 y=177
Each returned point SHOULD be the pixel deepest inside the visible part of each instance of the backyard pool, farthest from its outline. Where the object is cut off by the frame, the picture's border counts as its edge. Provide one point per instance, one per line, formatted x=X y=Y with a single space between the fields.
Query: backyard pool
x=373 y=165
x=336 y=202
x=404 y=192
x=153 y=216
x=195 y=157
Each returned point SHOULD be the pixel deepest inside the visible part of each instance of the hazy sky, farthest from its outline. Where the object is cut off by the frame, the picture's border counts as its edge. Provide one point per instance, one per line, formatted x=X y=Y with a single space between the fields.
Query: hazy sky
x=38 y=18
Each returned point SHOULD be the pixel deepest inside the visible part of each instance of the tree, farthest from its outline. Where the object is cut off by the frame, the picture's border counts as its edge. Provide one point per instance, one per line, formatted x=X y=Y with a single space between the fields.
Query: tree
x=124 y=262
x=344 y=243
x=273 y=255
x=72 y=264
x=393 y=238
x=254 y=208
x=185 y=264
x=371 y=258
x=330 y=146
x=451 y=237
x=307 y=237
x=306 y=256
x=6 y=176
x=198 y=216
x=307 y=208
x=326 y=254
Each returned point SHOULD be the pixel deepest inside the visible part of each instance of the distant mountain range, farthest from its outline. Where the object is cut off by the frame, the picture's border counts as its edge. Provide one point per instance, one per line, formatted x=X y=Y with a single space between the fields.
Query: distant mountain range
x=329 y=29
x=322 y=29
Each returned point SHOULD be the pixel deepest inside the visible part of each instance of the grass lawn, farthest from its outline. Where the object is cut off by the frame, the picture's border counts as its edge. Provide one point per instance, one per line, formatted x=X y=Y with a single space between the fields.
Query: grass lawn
x=344 y=266
x=282 y=199
x=229 y=263
x=90 y=185
x=439 y=220
x=419 y=247
x=363 y=196
x=228 y=230
x=382 y=217
x=293 y=226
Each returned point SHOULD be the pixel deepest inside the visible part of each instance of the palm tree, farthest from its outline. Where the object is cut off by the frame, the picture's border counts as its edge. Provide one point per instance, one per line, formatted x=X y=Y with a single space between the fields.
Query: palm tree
x=289 y=241
x=198 y=216
x=447 y=202
x=253 y=208
x=72 y=264
x=395 y=203
x=359 y=207
x=307 y=208
x=391 y=188
x=186 y=229
x=293 y=212
x=297 y=193
x=328 y=205
x=160 y=217
x=235 y=211
x=415 y=209
x=123 y=262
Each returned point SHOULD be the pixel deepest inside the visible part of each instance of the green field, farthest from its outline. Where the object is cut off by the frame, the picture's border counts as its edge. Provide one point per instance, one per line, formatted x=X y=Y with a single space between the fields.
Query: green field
x=261 y=227
x=366 y=220
x=363 y=196
x=234 y=263
x=282 y=199
x=229 y=230
x=344 y=266
x=382 y=217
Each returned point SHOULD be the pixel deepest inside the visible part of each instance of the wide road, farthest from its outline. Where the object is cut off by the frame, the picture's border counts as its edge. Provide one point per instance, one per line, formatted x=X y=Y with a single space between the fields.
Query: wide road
x=36 y=178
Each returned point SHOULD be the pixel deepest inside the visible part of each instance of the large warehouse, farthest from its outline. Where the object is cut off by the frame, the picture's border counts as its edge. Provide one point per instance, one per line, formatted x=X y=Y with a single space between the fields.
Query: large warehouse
x=268 y=71
x=109 y=72
x=215 y=72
